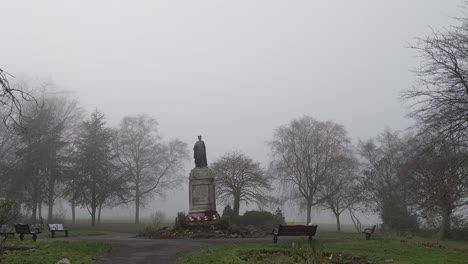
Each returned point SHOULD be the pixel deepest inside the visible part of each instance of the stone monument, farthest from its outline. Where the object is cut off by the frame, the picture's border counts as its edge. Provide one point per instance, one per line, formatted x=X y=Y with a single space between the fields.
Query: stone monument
x=202 y=200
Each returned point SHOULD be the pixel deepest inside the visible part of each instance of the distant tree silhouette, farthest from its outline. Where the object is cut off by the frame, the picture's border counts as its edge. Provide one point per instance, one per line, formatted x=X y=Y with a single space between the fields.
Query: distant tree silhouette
x=240 y=179
x=97 y=175
x=151 y=167
x=305 y=154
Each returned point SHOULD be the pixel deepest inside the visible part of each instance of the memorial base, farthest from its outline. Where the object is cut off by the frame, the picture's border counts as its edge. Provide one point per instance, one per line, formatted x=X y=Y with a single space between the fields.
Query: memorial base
x=202 y=204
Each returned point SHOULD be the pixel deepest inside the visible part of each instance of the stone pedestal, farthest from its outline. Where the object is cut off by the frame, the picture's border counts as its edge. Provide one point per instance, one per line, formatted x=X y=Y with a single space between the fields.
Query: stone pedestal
x=202 y=192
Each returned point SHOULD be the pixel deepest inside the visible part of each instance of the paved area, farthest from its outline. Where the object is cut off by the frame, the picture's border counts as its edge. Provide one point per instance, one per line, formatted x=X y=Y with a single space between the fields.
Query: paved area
x=126 y=249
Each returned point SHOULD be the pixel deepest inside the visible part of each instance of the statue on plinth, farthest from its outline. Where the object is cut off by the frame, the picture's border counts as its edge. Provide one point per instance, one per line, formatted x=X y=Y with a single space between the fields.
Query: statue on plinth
x=199 y=153
x=202 y=196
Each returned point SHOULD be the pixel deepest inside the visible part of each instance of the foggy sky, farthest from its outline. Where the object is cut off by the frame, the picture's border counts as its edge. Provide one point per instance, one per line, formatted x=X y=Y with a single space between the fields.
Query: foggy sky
x=232 y=71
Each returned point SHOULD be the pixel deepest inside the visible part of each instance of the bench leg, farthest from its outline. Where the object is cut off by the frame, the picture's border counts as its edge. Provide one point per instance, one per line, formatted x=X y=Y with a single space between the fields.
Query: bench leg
x=275 y=239
x=34 y=237
x=52 y=233
x=66 y=233
x=368 y=236
x=310 y=238
x=22 y=237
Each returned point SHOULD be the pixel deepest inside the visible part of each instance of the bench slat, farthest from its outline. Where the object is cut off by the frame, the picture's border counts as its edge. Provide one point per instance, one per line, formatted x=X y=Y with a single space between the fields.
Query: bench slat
x=23 y=229
x=294 y=230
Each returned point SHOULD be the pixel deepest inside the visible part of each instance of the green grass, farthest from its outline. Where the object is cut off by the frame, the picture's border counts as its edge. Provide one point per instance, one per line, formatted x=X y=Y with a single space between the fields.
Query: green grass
x=327 y=249
x=48 y=250
x=25 y=252
x=404 y=251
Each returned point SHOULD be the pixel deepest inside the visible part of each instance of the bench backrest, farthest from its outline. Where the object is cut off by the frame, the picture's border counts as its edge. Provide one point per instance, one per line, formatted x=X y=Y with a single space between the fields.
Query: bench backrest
x=22 y=228
x=373 y=229
x=297 y=230
x=55 y=227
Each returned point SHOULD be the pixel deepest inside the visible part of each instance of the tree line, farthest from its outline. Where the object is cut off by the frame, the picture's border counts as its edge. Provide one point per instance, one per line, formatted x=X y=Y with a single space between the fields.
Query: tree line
x=56 y=152
x=411 y=179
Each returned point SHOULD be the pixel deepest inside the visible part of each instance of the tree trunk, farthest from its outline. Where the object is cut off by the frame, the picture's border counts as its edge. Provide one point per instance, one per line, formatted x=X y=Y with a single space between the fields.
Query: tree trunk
x=445 y=225
x=309 y=212
x=338 y=225
x=93 y=202
x=99 y=214
x=93 y=215
x=50 y=200
x=236 y=206
x=34 y=205
x=39 y=206
x=356 y=222
x=137 y=203
x=73 y=211
x=34 y=212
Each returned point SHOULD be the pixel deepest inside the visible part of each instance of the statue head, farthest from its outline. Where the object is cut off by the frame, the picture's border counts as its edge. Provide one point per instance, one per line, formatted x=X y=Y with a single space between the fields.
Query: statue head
x=199 y=137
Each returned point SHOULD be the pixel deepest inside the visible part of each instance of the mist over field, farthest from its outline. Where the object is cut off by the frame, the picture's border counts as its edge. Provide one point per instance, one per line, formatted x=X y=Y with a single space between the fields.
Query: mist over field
x=235 y=72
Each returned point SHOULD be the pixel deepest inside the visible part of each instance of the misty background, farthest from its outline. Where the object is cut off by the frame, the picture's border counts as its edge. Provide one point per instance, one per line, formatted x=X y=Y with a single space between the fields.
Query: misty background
x=232 y=71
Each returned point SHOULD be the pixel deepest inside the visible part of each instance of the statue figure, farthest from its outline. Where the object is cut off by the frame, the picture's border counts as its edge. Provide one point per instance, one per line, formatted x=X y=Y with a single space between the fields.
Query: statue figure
x=199 y=153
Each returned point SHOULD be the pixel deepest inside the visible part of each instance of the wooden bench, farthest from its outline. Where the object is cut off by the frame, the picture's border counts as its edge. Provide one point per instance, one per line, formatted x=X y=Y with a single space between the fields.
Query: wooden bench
x=24 y=229
x=57 y=228
x=6 y=231
x=294 y=230
x=368 y=232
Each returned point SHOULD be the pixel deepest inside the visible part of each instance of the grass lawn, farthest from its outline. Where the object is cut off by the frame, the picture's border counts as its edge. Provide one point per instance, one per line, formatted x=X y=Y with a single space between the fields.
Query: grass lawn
x=326 y=249
x=404 y=250
x=47 y=252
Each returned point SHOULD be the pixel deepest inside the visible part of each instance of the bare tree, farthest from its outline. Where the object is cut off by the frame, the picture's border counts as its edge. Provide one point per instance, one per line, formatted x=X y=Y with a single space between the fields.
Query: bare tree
x=8 y=161
x=439 y=180
x=11 y=100
x=440 y=100
x=239 y=179
x=385 y=181
x=152 y=167
x=340 y=190
x=357 y=207
x=305 y=152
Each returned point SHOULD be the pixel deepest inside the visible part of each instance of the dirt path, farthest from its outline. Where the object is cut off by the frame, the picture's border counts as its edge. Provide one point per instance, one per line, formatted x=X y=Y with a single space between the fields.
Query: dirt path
x=126 y=249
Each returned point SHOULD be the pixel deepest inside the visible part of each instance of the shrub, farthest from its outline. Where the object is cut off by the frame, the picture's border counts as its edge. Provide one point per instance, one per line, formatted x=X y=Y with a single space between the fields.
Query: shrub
x=278 y=218
x=228 y=212
x=234 y=229
x=257 y=218
x=397 y=219
x=181 y=221
x=9 y=210
x=222 y=224
x=148 y=231
x=236 y=219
